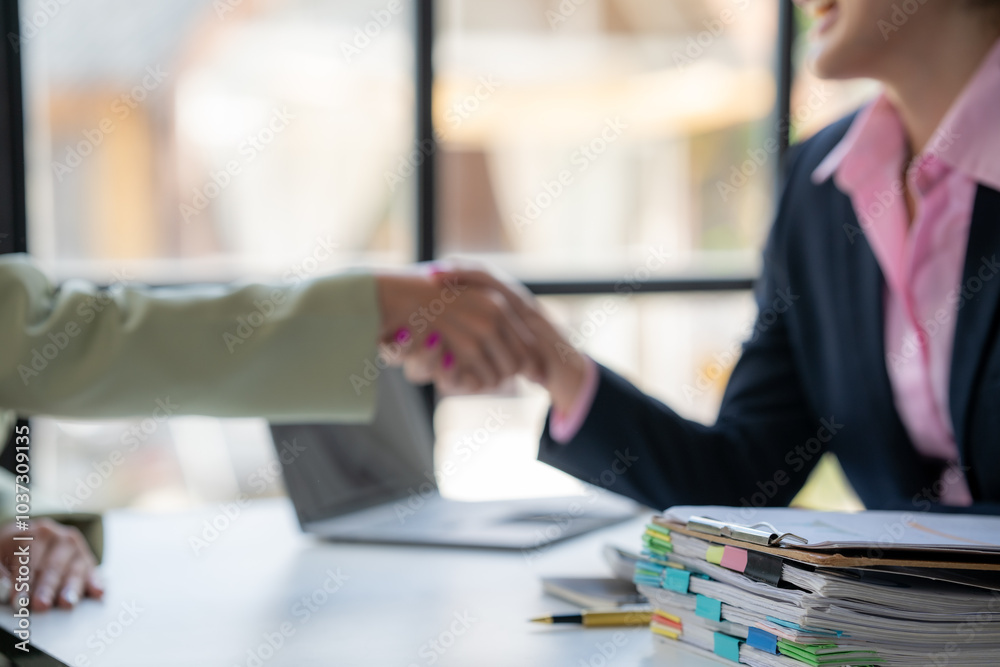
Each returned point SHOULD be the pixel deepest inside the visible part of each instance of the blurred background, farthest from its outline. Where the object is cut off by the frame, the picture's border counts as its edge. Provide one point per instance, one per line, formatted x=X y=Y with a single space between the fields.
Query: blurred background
x=628 y=141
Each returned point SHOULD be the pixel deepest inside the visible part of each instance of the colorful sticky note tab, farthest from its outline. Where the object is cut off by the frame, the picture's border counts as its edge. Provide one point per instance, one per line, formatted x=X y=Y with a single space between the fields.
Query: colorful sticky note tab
x=660 y=531
x=708 y=608
x=727 y=647
x=676 y=580
x=714 y=554
x=762 y=640
x=734 y=558
x=667 y=632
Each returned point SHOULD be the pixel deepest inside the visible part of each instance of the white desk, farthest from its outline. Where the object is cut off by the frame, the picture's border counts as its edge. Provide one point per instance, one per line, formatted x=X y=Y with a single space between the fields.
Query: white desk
x=214 y=608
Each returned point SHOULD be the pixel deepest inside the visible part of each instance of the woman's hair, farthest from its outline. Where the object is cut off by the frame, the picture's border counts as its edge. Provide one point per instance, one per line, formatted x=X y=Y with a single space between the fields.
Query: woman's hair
x=991 y=6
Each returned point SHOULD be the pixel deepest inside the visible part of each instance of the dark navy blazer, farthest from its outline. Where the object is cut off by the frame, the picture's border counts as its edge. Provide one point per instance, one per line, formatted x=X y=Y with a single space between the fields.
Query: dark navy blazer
x=811 y=378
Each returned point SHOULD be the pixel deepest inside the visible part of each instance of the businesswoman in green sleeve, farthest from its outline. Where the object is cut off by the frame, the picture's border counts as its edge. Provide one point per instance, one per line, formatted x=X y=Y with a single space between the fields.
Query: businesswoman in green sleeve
x=305 y=352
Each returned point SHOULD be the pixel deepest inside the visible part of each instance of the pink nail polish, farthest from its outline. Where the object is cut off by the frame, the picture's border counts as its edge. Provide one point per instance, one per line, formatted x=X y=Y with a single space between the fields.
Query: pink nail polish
x=449 y=360
x=433 y=339
x=402 y=335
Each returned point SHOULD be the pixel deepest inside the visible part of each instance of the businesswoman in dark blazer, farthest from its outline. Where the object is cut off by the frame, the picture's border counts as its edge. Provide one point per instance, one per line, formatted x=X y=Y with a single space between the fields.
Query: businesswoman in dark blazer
x=878 y=332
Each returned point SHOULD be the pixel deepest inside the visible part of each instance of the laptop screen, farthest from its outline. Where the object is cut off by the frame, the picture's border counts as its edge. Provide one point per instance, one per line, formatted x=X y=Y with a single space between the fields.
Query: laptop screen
x=336 y=469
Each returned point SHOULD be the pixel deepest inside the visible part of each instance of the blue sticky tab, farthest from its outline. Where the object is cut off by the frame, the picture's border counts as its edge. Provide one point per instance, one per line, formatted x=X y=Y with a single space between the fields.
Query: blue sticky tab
x=727 y=647
x=764 y=641
x=708 y=608
x=796 y=626
x=676 y=580
x=646 y=580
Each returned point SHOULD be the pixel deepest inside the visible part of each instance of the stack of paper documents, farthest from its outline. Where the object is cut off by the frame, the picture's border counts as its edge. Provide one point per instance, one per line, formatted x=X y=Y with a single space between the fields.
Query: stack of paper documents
x=791 y=587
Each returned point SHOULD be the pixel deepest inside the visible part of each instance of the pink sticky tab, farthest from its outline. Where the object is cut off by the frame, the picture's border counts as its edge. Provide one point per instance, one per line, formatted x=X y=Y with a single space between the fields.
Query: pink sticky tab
x=734 y=558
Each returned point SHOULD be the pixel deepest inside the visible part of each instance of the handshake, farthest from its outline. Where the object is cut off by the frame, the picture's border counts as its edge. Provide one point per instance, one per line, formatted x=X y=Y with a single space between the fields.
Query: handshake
x=468 y=330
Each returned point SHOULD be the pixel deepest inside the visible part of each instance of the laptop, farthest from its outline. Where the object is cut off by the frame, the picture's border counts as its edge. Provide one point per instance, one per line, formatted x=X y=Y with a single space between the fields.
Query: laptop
x=375 y=483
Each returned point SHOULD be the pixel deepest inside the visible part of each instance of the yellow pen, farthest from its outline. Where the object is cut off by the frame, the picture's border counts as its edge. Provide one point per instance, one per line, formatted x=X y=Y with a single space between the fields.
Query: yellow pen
x=601 y=619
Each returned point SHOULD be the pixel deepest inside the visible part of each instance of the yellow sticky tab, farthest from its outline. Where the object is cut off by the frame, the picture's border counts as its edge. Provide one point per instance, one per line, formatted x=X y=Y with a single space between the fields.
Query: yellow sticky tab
x=714 y=554
x=664 y=632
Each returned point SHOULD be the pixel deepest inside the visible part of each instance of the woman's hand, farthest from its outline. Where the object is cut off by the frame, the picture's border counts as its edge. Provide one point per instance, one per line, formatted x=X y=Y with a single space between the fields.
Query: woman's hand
x=556 y=364
x=466 y=336
x=61 y=570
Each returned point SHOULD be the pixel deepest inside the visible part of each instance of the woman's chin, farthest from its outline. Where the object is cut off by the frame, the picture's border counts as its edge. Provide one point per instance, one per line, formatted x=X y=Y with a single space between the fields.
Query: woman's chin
x=828 y=60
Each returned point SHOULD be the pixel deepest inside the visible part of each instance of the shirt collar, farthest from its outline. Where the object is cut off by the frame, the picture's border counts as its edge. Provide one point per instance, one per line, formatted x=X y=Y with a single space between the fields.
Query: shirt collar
x=967 y=138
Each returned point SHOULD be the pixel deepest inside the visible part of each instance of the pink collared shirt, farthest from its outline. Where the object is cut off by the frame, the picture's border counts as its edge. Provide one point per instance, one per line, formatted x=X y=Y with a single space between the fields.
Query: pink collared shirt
x=922 y=262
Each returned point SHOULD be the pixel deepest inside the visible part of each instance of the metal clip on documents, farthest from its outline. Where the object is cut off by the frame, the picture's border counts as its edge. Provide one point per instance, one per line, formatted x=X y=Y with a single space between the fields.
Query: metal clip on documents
x=752 y=534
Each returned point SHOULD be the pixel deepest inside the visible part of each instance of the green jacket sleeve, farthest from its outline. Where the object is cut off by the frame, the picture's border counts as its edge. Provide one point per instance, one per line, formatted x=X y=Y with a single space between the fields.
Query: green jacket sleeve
x=284 y=352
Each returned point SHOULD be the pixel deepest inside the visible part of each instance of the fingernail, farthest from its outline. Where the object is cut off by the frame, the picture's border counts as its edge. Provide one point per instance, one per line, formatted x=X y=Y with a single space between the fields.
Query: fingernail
x=402 y=335
x=433 y=339
x=449 y=360
x=5 y=589
x=71 y=596
x=45 y=596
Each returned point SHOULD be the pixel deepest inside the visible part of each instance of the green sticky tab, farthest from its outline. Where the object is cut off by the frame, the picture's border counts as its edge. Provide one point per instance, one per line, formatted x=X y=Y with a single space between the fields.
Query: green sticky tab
x=655 y=544
x=727 y=647
x=708 y=608
x=660 y=530
x=714 y=554
x=676 y=580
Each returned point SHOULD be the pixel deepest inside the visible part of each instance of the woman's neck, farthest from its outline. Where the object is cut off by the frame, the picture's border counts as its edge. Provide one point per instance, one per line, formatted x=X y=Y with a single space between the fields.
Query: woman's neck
x=924 y=83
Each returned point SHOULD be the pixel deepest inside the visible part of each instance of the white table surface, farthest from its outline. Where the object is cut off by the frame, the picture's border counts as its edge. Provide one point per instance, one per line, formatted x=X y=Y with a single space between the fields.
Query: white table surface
x=213 y=609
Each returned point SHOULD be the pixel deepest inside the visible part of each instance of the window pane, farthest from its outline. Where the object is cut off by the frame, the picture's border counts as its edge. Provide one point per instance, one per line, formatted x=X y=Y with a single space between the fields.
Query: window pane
x=576 y=136
x=679 y=348
x=176 y=140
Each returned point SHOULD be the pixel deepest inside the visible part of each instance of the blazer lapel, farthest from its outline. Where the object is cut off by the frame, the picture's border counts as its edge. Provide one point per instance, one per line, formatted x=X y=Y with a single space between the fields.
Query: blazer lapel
x=977 y=312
